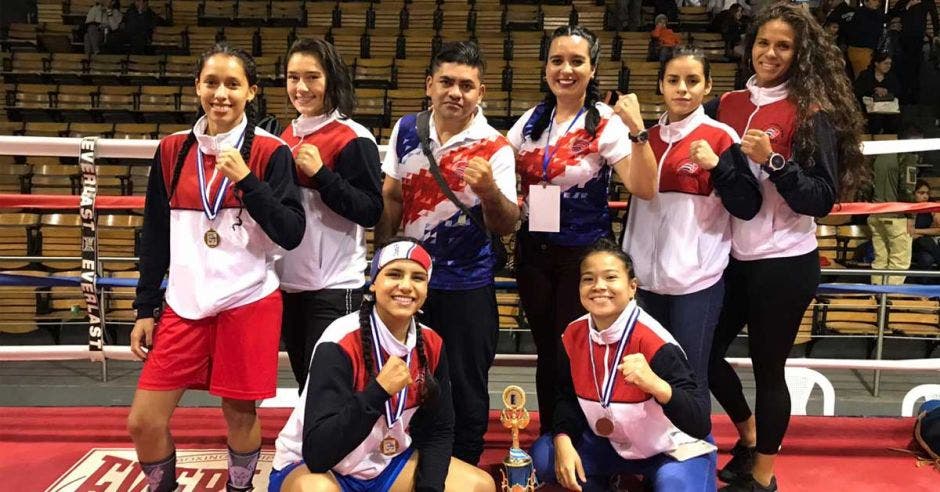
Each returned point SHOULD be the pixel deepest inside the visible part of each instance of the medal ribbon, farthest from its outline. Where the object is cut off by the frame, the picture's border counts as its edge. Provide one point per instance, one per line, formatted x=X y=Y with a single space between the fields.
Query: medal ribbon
x=403 y=394
x=608 y=391
x=212 y=210
x=549 y=152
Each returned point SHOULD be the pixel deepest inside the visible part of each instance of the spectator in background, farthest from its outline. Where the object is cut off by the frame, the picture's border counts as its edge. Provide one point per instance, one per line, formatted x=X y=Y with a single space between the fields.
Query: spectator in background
x=665 y=40
x=925 y=252
x=140 y=20
x=893 y=181
x=731 y=26
x=94 y=31
x=113 y=33
x=629 y=15
x=835 y=11
x=862 y=34
x=669 y=8
x=913 y=15
x=876 y=89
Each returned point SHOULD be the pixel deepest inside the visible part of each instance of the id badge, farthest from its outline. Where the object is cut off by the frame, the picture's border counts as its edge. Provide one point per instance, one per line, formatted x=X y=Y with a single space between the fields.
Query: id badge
x=544 y=208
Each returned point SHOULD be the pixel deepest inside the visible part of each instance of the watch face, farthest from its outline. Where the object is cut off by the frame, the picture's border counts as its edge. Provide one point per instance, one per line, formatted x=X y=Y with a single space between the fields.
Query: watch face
x=777 y=162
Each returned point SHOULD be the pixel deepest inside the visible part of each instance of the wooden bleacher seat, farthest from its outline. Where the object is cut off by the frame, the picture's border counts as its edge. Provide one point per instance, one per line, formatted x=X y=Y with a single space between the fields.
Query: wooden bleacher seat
x=184 y=12
x=611 y=75
x=496 y=107
x=710 y=43
x=11 y=127
x=118 y=302
x=76 y=102
x=104 y=69
x=44 y=129
x=138 y=176
x=411 y=73
x=74 y=11
x=644 y=76
x=64 y=311
x=914 y=316
x=489 y=15
x=521 y=17
x=416 y=43
x=405 y=101
x=651 y=106
x=286 y=13
x=15 y=178
x=159 y=104
x=724 y=76
x=383 y=44
x=348 y=41
x=51 y=178
x=113 y=180
x=60 y=235
x=68 y=68
x=510 y=314
x=144 y=70
x=528 y=46
x=246 y=38
x=30 y=102
x=828 y=244
x=694 y=18
x=18 y=237
x=21 y=37
x=118 y=237
x=372 y=108
x=118 y=103
x=135 y=131
x=419 y=15
x=455 y=18
x=521 y=101
x=169 y=40
x=201 y=39
x=591 y=16
x=79 y=130
x=18 y=305
x=274 y=41
x=525 y=75
x=270 y=68
x=630 y=47
x=849 y=314
x=353 y=15
x=252 y=14
x=848 y=238
x=493 y=44
x=321 y=14
x=26 y=67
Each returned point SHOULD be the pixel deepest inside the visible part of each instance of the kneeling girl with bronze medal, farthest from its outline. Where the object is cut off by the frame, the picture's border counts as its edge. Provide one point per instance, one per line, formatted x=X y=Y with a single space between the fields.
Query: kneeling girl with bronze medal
x=377 y=376
x=626 y=398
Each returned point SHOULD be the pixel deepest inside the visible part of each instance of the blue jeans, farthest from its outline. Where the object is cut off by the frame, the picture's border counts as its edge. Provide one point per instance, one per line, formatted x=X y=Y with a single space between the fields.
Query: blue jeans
x=600 y=462
x=691 y=319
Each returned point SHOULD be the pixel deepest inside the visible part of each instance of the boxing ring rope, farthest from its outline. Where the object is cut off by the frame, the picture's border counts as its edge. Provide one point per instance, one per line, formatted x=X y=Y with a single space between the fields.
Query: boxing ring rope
x=89 y=149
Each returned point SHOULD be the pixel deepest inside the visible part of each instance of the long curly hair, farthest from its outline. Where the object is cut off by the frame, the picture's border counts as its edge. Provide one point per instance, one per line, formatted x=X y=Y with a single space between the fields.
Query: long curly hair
x=817 y=81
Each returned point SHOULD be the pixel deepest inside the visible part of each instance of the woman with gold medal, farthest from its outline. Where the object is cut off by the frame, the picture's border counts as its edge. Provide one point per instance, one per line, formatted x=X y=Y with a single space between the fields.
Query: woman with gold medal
x=376 y=413
x=626 y=398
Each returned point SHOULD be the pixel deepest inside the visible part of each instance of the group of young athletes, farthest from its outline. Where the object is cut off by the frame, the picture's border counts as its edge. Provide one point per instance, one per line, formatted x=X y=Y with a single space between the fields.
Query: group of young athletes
x=263 y=237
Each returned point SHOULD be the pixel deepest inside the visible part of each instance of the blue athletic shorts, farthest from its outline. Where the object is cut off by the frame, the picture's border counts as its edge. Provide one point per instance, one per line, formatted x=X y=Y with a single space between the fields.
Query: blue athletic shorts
x=380 y=483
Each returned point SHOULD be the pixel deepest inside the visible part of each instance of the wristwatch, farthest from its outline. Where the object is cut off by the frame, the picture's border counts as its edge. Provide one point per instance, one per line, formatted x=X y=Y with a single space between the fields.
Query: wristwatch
x=641 y=137
x=775 y=162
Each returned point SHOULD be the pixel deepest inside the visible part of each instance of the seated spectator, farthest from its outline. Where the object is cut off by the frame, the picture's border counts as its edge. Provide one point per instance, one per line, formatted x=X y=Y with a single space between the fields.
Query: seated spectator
x=731 y=26
x=862 y=34
x=876 y=89
x=140 y=20
x=926 y=233
x=94 y=33
x=665 y=40
x=114 y=39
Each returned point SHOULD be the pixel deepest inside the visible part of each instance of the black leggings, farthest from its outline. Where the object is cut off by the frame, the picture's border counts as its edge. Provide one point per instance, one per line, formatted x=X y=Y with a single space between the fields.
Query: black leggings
x=770 y=297
x=548 y=277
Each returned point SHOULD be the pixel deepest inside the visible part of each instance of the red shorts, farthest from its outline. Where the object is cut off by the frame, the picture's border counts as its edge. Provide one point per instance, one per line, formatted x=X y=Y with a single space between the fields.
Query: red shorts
x=232 y=354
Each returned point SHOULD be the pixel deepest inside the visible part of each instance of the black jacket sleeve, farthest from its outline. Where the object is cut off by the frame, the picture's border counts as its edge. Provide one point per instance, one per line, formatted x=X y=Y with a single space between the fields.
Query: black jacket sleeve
x=736 y=185
x=275 y=202
x=336 y=418
x=569 y=418
x=354 y=189
x=711 y=107
x=433 y=432
x=154 y=248
x=684 y=410
x=811 y=190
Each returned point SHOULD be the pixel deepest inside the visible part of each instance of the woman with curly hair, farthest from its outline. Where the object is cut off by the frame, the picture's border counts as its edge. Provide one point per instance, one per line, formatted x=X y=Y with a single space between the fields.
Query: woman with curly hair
x=800 y=127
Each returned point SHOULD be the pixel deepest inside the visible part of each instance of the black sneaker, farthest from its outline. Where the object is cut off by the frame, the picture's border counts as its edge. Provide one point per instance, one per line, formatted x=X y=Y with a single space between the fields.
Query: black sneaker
x=741 y=463
x=748 y=484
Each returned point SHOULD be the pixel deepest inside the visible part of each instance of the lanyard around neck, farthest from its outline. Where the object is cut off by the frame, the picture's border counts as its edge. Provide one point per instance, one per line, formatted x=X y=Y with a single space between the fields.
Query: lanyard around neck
x=549 y=152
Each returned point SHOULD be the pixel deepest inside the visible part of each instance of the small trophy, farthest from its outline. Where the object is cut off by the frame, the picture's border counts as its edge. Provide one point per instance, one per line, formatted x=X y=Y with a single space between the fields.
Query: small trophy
x=518 y=473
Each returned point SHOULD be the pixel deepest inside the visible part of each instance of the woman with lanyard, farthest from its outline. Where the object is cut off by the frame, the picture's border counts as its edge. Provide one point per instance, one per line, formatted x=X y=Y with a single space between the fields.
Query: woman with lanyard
x=377 y=378
x=680 y=239
x=220 y=329
x=338 y=169
x=566 y=148
x=800 y=127
x=627 y=396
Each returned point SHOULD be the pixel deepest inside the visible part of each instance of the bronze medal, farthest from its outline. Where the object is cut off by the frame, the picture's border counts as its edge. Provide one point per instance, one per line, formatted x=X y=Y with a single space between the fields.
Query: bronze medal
x=212 y=238
x=389 y=446
x=604 y=426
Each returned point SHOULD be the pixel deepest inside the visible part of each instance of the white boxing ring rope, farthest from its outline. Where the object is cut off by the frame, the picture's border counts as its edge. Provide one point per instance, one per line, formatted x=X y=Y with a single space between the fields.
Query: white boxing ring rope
x=144 y=149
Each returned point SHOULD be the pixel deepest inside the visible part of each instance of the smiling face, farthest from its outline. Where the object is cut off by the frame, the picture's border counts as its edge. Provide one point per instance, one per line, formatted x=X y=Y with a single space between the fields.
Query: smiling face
x=569 y=67
x=773 y=52
x=400 y=288
x=223 y=91
x=455 y=90
x=684 y=85
x=306 y=84
x=606 y=287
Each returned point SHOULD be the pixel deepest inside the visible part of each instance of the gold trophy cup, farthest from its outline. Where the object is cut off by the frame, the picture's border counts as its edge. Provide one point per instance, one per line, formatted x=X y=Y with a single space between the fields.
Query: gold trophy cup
x=517 y=472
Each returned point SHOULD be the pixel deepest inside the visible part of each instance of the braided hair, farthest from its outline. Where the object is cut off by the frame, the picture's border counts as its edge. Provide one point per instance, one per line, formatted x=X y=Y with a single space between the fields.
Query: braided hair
x=592 y=93
x=429 y=389
x=251 y=73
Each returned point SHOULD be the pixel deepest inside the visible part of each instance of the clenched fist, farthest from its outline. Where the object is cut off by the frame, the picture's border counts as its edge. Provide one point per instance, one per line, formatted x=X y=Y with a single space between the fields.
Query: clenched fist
x=756 y=146
x=394 y=375
x=229 y=162
x=479 y=175
x=637 y=371
x=628 y=109
x=308 y=159
x=702 y=154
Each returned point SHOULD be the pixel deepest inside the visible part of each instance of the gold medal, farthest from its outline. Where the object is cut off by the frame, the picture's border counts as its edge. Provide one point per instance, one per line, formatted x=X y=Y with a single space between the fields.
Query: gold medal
x=389 y=446
x=604 y=426
x=212 y=238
